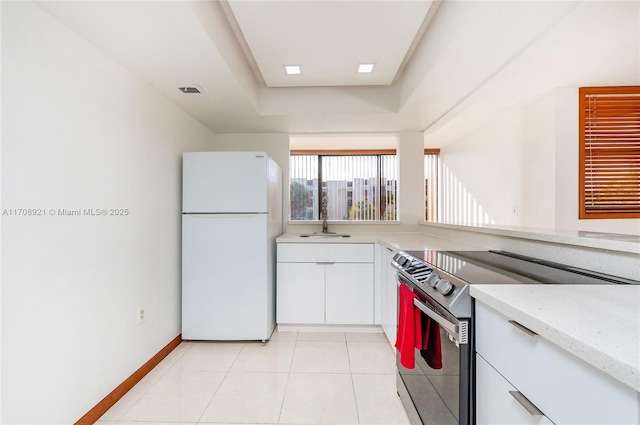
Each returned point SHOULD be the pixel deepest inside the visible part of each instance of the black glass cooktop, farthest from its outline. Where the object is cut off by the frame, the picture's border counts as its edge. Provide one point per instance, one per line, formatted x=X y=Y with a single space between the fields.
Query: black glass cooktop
x=494 y=267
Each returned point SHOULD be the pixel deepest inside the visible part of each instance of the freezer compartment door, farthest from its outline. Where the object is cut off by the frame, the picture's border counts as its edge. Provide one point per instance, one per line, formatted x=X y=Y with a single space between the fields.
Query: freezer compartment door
x=228 y=286
x=224 y=182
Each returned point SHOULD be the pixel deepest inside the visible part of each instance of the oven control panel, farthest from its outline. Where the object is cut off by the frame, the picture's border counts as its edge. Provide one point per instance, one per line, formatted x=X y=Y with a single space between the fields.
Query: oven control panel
x=449 y=291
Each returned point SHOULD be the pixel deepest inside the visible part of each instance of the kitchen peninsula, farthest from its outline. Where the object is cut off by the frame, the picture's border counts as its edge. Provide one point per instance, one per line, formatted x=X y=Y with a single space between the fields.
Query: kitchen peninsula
x=599 y=325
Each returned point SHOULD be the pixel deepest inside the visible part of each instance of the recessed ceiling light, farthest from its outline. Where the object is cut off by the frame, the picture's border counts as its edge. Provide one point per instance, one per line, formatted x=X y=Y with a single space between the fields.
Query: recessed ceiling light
x=365 y=68
x=292 y=69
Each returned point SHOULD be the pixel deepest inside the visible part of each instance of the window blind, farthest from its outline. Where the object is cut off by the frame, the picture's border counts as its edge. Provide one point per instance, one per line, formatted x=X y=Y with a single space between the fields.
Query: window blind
x=431 y=172
x=359 y=185
x=610 y=152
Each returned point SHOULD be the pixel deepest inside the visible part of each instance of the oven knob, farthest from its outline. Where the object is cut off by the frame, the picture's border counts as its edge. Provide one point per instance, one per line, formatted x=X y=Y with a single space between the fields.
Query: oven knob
x=433 y=280
x=445 y=287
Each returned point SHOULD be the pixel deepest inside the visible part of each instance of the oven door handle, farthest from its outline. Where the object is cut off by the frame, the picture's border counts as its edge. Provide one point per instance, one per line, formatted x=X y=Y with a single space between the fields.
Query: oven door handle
x=453 y=328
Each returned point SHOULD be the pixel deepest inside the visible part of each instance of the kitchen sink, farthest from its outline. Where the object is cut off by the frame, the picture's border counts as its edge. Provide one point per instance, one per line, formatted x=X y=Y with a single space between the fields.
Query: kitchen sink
x=324 y=235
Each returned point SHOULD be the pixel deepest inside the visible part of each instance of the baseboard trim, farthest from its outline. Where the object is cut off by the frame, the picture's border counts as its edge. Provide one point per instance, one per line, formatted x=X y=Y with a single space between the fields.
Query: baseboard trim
x=292 y=327
x=106 y=403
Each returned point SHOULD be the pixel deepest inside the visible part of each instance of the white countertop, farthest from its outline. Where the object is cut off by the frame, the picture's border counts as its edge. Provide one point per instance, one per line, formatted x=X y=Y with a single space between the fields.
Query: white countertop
x=408 y=241
x=598 y=323
x=599 y=240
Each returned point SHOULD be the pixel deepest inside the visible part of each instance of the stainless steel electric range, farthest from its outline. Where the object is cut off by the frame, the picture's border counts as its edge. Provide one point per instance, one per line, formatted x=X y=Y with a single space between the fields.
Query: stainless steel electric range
x=443 y=393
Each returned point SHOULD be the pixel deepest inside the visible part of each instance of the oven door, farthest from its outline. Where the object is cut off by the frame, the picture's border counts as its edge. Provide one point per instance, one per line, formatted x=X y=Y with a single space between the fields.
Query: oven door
x=440 y=396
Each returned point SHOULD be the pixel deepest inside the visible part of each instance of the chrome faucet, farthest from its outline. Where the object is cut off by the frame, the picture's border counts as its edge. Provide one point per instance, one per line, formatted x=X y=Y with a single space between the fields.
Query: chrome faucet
x=323 y=213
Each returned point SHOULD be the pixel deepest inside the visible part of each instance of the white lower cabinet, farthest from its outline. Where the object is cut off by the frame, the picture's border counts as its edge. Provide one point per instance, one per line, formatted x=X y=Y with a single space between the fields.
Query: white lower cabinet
x=389 y=296
x=349 y=294
x=325 y=284
x=300 y=293
x=496 y=402
x=566 y=389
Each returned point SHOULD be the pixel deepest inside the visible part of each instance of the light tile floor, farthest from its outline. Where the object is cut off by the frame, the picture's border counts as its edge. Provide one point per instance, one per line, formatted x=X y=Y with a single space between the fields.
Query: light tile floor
x=297 y=378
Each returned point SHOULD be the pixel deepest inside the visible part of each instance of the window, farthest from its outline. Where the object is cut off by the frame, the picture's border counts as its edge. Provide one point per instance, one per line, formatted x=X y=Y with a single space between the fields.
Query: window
x=431 y=172
x=359 y=185
x=609 y=152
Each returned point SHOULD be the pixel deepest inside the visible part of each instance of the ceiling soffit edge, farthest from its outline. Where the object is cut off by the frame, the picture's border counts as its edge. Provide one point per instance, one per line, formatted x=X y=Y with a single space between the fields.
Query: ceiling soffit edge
x=215 y=24
x=435 y=4
x=319 y=100
x=233 y=23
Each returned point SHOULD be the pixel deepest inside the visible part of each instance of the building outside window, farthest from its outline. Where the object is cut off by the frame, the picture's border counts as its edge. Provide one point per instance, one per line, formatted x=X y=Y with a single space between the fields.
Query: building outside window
x=359 y=185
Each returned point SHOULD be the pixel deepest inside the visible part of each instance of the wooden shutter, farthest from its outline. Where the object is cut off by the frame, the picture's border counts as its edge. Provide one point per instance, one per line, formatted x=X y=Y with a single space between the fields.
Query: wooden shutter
x=610 y=152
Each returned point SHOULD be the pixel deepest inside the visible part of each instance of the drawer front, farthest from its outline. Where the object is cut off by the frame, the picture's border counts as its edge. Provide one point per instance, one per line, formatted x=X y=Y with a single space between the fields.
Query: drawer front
x=508 y=349
x=567 y=389
x=494 y=403
x=325 y=252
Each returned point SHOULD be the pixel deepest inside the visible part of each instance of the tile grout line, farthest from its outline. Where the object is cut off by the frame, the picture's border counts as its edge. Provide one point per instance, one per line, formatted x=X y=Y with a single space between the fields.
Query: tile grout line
x=286 y=386
x=226 y=374
x=353 y=385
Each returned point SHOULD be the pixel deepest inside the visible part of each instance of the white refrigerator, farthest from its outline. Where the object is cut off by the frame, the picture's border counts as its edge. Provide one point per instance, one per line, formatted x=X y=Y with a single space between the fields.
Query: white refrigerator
x=231 y=217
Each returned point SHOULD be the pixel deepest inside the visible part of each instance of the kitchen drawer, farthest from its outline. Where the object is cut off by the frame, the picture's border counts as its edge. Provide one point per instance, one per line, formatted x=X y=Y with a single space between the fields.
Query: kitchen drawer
x=325 y=253
x=567 y=389
x=494 y=403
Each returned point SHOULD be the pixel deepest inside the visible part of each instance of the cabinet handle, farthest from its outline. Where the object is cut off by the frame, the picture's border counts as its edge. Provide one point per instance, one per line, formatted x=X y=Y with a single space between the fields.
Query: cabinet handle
x=524 y=402
x=523 y=328
x=325 y=262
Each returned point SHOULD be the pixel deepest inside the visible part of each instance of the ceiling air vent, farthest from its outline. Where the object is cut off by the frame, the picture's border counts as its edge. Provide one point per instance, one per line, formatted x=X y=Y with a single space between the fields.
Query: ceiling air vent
x=189 y=89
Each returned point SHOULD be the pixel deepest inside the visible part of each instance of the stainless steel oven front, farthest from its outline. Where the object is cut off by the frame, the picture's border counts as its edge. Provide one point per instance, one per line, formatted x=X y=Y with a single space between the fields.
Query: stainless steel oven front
x=439 y=396
x=439 y=283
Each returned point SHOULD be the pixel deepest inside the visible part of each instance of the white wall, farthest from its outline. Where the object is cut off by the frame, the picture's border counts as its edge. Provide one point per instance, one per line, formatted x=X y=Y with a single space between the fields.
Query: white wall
x=521 y=169
x=537 y=208
x=520 y=165
x=480 y=176
x=275 y=144
x=79 y=131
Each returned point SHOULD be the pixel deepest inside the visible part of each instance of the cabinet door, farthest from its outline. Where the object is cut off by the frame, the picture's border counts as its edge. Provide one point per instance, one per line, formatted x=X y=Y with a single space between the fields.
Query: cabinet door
x=300 y=289
x=389 y=298
x=494 y=404
x=349 y=293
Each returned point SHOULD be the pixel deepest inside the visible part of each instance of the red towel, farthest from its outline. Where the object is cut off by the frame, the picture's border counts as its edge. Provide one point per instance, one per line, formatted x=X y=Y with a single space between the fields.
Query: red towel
x=431 y=348
x=409 y=336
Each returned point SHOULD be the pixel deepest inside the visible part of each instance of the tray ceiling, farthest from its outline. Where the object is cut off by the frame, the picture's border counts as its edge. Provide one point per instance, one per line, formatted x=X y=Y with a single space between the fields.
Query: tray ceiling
x=443 y=67
x=327 y=39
